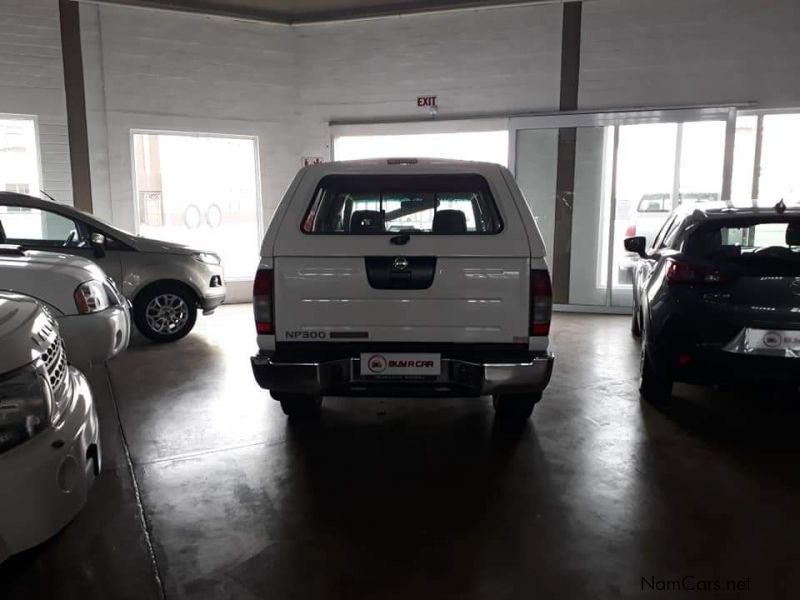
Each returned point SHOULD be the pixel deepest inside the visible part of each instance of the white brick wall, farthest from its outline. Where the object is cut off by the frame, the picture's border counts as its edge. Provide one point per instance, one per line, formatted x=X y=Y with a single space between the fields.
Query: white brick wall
x=690 y=52
x=32 y=83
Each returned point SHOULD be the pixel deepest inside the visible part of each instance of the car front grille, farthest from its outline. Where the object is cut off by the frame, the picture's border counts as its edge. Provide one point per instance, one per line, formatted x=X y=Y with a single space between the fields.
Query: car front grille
x=54 y=358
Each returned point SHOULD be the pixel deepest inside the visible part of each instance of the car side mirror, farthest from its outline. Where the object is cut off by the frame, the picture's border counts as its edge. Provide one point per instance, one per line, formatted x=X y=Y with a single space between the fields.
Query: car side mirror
x=636 y=245
x=98 y=242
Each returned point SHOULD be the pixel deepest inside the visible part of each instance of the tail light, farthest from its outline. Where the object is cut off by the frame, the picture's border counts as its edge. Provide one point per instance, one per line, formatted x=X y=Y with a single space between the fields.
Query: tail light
x=682 y=272
x=630 y=231
x=541 y=302
x=263 y=302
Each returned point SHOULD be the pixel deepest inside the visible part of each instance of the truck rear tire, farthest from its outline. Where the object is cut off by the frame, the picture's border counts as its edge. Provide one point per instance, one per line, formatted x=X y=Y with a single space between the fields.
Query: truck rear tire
x=515 y=407
x=299 y=406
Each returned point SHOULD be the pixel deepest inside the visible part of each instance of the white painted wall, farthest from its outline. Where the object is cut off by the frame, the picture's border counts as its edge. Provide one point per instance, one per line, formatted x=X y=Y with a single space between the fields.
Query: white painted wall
x=495 y=61
x=32 y=83
x=150 y=69
x=689 y=52
x=156 y=70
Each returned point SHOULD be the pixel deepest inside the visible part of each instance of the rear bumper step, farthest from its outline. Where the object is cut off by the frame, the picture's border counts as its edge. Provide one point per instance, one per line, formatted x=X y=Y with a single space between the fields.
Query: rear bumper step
x=459 y=377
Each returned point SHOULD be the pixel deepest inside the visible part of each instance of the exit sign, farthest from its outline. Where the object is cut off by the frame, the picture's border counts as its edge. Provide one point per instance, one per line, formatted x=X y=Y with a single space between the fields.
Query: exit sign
x=426 y=101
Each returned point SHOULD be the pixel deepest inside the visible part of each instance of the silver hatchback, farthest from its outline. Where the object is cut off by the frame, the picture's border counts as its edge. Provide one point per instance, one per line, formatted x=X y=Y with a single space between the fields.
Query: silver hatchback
x=165 y=282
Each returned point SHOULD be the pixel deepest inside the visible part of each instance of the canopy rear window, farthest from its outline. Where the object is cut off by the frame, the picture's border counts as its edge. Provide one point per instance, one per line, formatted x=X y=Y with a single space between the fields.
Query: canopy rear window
x=396 y=204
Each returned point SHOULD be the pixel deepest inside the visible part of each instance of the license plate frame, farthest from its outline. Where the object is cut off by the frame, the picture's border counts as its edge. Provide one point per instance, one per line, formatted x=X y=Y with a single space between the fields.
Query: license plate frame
x=400 y=366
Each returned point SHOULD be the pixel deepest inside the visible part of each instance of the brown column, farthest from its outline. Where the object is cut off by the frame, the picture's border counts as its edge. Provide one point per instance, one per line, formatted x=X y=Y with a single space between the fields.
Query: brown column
x=76 y=104
x=565 y=170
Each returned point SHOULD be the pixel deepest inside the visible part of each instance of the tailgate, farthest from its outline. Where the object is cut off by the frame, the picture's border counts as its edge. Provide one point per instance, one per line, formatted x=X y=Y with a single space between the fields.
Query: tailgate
x=338 y=298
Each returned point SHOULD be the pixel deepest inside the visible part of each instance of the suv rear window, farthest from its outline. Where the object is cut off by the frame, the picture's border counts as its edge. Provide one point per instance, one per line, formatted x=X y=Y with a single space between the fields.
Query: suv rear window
x=394 y=204
x=766 y=237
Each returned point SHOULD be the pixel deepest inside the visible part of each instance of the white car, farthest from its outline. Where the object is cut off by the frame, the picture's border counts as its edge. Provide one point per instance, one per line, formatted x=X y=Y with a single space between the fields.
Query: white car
x=49 y=445
x=407 y=277
x=93 y=317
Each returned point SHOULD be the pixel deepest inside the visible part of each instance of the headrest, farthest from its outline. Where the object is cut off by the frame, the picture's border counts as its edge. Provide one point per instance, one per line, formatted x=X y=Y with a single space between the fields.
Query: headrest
x=449 y=221
x=366 y=221
x=793 y=234
x=703 y=243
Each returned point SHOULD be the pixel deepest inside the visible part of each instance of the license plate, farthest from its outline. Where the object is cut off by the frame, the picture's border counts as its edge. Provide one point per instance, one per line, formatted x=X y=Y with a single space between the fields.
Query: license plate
x=774 y=339
x=400 y=366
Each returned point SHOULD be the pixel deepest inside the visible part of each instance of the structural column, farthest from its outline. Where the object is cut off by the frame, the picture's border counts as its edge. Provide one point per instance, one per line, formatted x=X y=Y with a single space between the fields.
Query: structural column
x=76 y=104
x=565 y=173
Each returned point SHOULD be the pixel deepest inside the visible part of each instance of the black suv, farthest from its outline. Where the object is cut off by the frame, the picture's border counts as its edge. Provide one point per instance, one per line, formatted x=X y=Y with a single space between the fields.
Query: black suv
x=717 y=298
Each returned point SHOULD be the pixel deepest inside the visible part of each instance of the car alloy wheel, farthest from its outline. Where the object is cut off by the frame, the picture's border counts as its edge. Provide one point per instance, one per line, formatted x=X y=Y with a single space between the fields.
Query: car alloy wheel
x=167 y=314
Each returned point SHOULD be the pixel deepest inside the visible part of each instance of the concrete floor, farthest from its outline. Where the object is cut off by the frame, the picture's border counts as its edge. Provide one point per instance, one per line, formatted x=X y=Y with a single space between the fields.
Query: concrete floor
x=421 y=498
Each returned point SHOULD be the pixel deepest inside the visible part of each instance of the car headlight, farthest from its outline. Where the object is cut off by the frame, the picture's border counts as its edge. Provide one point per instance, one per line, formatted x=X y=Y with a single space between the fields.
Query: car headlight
x=91 y=297
x=26 y=404
x=208 y=258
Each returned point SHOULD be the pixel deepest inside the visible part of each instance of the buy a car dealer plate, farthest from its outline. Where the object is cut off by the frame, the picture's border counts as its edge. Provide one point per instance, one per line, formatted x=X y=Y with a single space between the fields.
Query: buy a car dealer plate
x=400 y=366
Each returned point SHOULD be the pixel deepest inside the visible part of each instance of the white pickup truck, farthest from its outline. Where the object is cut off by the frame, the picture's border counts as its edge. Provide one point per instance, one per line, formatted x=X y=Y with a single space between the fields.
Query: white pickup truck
x=405 y=277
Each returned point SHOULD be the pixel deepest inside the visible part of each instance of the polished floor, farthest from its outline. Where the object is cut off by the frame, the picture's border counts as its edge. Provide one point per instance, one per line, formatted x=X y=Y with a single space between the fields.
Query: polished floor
x=208 y=493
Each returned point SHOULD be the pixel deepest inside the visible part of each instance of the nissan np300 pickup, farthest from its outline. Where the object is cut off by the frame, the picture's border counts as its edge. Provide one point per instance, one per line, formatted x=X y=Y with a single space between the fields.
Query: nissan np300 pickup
x=403 y=277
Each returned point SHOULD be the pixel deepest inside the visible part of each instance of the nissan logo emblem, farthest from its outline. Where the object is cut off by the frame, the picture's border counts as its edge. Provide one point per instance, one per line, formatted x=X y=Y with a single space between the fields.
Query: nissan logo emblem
x=400 y=263
x=795 y=287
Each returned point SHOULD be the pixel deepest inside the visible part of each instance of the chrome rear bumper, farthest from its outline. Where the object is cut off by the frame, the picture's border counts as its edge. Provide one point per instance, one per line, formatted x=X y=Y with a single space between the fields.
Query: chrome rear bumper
x=460 y=377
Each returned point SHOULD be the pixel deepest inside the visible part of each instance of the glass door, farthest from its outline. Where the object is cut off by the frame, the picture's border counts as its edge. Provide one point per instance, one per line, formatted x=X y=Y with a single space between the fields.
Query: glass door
x=660 y=166
x=620 y=175
x=585 y=207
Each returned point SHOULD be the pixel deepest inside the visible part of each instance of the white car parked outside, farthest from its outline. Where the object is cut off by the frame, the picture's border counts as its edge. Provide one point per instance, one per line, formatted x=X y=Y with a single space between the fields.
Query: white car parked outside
x=49 y=444
x=93 y=317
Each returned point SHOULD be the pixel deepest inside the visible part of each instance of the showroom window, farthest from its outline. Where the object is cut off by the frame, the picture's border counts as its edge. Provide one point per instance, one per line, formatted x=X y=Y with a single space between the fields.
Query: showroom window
x=19 y=155
x=202 y=191
x=765 y=159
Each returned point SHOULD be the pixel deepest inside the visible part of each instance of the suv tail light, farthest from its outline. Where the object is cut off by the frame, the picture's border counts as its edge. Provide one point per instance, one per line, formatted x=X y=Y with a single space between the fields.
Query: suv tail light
x=682 y=272
x=263 y=302
x=541 y=302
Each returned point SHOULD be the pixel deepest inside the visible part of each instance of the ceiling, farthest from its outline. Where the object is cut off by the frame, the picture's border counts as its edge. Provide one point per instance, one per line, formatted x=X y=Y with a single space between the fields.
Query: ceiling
x=314 y=11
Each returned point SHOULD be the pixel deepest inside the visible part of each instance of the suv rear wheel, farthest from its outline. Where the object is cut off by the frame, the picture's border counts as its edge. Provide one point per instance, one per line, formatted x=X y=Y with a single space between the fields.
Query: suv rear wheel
x=299 y=406
x=515 y=407
x=165 y=312
x=653 y=386
x=636 y=322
